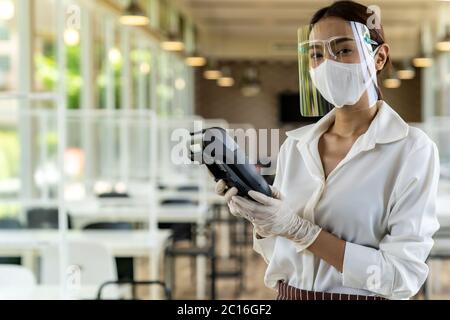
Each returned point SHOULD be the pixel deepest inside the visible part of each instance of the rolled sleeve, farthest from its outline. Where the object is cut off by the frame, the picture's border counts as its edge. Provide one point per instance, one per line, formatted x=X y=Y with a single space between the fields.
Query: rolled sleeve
x=397 y=269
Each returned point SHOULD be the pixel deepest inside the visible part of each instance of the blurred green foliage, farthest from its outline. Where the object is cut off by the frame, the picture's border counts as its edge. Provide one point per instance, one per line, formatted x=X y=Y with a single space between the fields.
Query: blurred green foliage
x=9 y=165
x=47 y=72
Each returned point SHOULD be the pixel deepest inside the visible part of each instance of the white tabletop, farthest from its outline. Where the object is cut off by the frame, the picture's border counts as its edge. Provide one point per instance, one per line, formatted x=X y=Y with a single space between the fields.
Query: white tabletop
x=41 y=292
x=127 y=210
x=120 y=242
x=211 y=197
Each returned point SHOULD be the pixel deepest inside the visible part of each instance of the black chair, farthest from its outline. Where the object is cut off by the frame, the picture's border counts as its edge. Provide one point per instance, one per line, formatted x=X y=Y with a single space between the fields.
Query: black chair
x=239 y=242
x=113 y=195
x=125 y=266
x=180 y=231
x=44 y=218
x=134 y=284
x=188 y=189
x=207 y=251
x=10 y=224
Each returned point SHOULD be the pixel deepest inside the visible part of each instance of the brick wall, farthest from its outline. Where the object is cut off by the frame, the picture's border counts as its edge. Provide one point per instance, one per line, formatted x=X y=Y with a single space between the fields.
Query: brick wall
x=262 y=110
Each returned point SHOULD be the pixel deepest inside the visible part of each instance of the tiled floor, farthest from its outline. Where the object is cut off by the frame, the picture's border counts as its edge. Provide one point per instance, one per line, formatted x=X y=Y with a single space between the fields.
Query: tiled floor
x=255 y=289
x=228 y=288
x=254 y=285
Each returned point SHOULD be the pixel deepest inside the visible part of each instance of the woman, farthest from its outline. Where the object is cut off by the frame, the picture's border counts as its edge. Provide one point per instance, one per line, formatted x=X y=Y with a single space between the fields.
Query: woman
x=353 y=208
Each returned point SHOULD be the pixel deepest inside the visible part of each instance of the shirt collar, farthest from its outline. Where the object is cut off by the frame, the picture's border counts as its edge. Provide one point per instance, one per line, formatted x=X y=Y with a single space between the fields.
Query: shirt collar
x=387 y=127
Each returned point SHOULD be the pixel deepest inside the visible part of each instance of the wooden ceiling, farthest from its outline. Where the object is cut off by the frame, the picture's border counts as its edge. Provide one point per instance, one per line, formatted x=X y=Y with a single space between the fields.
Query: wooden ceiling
x=267 y=29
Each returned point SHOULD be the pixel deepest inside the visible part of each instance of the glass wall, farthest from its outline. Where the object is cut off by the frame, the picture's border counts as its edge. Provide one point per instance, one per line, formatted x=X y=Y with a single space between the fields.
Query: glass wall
x=9 y=138
x=108 y=66
x=79 y=95
x=8 y=46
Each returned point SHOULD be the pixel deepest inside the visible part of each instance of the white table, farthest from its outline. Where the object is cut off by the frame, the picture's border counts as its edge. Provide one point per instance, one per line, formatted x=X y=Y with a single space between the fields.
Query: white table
x=104 y=211
x=41 y=292
x=121 y=243
x=131 y=210
x=211 y=197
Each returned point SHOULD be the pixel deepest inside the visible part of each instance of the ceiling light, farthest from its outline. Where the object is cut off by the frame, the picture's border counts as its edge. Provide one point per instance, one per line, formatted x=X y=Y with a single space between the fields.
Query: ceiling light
x=406 y=74
x=173 y=43
x=423 y=62
x=225 y=82
x=212 y=74
x=196 y=60
x=444 y=44
x=134 y=15
x=251 y=86
x=406 y=71
x=251 y=90
x=392 y=83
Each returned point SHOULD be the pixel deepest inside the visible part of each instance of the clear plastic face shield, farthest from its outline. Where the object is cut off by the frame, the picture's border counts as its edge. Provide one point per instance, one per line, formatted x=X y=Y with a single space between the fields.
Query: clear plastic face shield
x=336 y=66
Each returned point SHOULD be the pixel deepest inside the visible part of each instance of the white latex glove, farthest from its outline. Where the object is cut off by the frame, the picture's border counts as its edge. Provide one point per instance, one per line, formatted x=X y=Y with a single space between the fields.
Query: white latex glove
x=228 y=193
x=272 y=216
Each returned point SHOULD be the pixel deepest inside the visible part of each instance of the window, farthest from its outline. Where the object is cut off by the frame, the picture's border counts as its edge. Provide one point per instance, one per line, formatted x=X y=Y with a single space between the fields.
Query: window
x=164 y=16
x=8 y=46
x=9 y=138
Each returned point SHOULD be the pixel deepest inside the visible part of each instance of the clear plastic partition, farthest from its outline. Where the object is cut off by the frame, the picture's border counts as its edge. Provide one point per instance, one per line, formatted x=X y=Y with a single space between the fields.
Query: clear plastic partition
x=104 y=190
x=33 y=212
x=115 y=157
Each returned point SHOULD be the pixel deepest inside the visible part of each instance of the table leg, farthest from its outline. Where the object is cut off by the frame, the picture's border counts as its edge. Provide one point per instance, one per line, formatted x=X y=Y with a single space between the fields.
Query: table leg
x=29 y=262
x=437 y=276
x=201 y=264
x=429 y=282
x=224 y=236
x=155 y=256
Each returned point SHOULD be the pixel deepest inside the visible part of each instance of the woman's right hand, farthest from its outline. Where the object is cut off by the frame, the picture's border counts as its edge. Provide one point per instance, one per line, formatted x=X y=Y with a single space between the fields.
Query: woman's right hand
x=228 y=193
x=223 y=190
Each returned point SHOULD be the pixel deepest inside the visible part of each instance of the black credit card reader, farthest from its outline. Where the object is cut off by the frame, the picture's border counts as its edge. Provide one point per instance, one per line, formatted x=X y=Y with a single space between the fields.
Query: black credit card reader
x=222 y=156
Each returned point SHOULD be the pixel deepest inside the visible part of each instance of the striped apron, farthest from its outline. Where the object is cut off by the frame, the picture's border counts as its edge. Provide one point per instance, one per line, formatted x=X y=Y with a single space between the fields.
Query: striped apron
x=287 y=292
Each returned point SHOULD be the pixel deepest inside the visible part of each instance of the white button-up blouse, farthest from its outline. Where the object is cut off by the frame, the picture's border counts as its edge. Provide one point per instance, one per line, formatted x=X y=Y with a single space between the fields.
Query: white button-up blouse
x=380 y=199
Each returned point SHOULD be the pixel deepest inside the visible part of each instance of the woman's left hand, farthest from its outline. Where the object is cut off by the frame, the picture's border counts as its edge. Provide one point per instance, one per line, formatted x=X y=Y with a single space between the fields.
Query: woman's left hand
x=275 y=217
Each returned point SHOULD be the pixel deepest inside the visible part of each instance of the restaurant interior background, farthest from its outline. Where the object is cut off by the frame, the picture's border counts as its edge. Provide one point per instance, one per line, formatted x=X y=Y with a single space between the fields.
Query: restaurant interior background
x=91 y=91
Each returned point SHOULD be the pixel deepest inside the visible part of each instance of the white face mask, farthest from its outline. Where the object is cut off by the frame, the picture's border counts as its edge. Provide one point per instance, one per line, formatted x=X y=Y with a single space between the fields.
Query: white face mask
x=342 y=84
